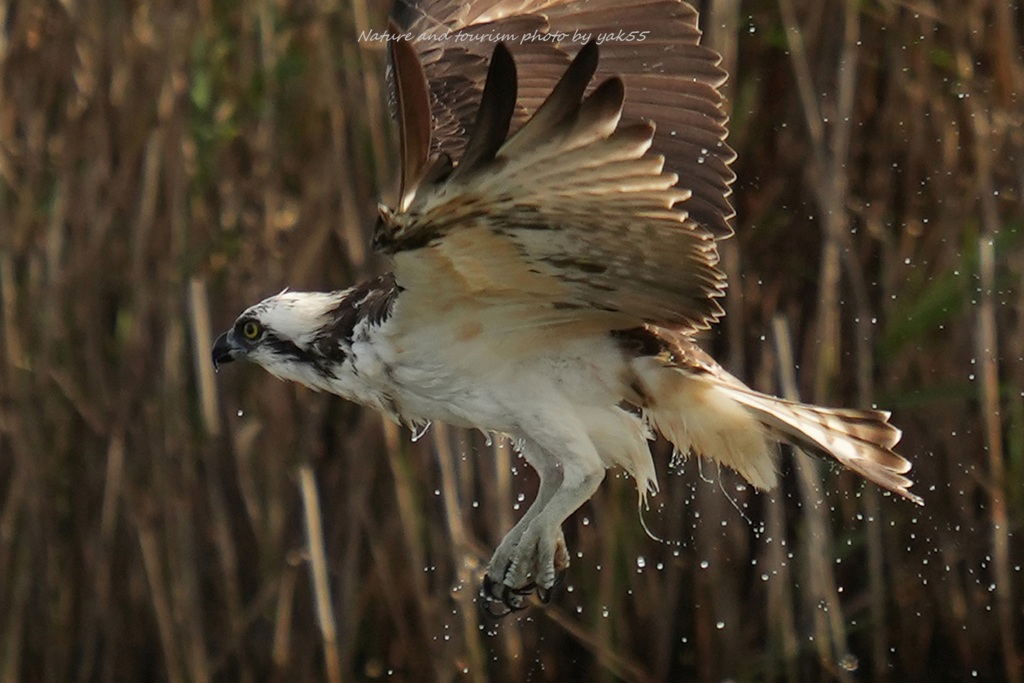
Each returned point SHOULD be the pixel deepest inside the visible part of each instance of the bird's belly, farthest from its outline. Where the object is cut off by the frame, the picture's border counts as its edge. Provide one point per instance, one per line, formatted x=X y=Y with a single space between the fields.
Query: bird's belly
x=475 y=387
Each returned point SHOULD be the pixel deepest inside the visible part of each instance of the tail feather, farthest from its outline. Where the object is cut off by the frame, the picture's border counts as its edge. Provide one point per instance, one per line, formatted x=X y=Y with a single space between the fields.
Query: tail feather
x=862 y=440
x=698 y=406
x=701 y=408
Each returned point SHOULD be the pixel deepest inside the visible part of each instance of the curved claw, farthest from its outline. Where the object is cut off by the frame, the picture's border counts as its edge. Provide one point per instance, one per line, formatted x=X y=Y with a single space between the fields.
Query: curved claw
x=514 y=601
x=544 y=594
x=498 y=595
x=507 y=599
x=522 y=590
x=491 y=608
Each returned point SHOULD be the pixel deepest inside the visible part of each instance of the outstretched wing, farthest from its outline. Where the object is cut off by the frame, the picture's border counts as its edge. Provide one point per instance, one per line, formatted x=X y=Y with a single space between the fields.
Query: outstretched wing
x=571 y=213
x=652 y=45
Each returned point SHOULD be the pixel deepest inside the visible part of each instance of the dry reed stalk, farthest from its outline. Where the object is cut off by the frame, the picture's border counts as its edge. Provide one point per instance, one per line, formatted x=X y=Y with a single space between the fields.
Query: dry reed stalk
x=349 y=222
x=202 y=341
x=405 y=493
x=371 y=79
x=16 y=612
x=14 y=354
x=113 y=484
x=827 y=174
x=599 y=605
x=987 y=350
x=716 y=591
x=820 y=597
x=466 y=570
x=989 y=399
x=149 y=544
x=186 y=593
x=318 y=572
x=780 y=622
x=409 y=515
x=283 y=614
x=227 y=554
x=614 y=663
x=863 y=344
x=498 y=481
x=10 y=519
x=349 y=209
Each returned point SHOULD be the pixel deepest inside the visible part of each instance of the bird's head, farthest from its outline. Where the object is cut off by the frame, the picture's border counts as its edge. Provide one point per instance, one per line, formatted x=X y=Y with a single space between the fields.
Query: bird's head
x=291 y=335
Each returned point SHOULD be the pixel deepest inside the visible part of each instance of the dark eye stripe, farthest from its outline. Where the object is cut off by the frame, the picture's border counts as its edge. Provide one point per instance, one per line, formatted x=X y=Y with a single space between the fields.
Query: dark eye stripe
x=289 y=350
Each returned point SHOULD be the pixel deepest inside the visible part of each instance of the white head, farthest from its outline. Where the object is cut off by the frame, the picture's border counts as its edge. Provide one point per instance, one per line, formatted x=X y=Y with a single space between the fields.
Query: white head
x=291 y=335
x=307 y=336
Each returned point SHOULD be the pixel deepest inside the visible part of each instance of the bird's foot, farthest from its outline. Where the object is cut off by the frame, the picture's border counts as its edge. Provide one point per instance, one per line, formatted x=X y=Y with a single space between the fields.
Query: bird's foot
x=533 y=564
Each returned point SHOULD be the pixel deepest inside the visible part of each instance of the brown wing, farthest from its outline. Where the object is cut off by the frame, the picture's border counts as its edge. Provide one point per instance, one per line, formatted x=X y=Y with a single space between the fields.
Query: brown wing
x=653 y=46
x=572 y=213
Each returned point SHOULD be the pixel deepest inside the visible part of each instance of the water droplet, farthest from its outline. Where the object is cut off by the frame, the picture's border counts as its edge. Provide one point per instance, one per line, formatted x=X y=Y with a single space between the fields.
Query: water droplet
x=419 y=430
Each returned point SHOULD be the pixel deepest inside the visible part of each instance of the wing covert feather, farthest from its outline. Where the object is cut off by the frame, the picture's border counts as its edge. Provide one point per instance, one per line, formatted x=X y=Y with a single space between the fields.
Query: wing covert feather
x=582 y=213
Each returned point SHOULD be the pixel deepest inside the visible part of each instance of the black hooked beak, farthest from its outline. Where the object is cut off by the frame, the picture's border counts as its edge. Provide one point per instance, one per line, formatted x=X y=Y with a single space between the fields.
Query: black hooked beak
x=224 y=351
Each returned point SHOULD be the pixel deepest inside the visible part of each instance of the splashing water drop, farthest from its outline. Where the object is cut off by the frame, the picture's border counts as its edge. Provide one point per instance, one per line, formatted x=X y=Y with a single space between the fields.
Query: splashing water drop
x=420 y=429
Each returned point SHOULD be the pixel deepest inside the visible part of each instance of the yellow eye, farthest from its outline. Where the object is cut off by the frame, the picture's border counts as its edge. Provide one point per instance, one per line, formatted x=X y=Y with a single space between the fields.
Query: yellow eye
x=251 y=329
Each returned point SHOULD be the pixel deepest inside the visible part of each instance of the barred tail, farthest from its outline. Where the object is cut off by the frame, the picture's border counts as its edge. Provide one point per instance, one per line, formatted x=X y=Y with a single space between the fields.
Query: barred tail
x=862 y=440
x=705 y=410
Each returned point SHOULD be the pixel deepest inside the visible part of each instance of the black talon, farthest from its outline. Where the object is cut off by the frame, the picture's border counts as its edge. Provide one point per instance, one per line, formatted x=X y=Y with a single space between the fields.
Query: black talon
x=544 y=594
x=487 y=588
x=513 y=599
x=492 y=609
x=495 y=594
x=498 y=600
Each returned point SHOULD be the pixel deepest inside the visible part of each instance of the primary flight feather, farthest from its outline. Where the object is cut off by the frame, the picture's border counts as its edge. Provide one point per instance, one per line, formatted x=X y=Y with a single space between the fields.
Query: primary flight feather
x=554 y=244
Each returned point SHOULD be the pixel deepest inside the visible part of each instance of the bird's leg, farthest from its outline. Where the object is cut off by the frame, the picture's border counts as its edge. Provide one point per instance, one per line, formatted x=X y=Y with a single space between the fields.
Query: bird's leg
x=549 y=472
x=533 y=553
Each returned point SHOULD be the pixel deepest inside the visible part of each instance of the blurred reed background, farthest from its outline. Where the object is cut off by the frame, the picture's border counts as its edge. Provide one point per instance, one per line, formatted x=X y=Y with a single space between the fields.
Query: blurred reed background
x=164 y=164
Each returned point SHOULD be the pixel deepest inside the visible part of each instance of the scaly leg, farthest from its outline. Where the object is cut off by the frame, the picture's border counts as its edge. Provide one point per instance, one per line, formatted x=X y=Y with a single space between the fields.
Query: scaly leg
x=533 y=552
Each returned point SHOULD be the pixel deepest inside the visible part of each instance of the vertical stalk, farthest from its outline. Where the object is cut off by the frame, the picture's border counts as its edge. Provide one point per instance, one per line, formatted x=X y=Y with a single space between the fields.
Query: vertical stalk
x=822 y=598
x=462 y=559
x=988 y=355
x=318 y=571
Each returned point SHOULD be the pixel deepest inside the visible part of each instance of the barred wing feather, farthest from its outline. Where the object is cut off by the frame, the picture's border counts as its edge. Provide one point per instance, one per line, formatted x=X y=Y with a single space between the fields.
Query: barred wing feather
x=653 y=46
x=574 y=201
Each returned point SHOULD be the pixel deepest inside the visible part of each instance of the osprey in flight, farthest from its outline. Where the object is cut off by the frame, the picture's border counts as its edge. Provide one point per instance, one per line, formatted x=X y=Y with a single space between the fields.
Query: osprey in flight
x=563 y=187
